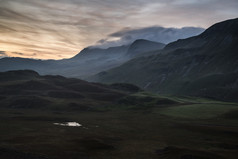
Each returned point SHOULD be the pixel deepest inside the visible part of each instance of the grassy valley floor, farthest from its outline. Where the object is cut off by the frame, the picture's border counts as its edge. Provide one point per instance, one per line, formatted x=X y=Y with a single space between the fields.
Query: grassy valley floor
x=171 y=128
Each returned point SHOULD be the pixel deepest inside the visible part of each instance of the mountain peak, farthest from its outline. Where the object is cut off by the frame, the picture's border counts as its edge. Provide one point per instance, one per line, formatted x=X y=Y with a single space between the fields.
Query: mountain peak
x=141 y=46
x=222 y=34
x=143 y=41
x=224 y=27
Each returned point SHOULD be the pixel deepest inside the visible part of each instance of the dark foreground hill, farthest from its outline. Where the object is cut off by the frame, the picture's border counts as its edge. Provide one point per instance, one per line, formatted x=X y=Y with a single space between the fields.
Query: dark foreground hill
x=27 y=89
x=205 y=65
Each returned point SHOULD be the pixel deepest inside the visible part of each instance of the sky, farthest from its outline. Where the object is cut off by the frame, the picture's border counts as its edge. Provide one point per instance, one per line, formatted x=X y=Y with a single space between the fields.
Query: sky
x=56 y=29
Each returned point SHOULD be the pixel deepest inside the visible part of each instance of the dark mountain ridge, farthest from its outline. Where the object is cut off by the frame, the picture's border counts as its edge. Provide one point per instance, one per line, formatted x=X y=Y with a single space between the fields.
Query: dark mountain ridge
x=205 y=65
x=220 y=35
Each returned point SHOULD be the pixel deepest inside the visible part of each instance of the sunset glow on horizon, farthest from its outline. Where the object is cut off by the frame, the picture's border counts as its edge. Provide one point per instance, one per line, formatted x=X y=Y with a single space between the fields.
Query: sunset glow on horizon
x=57 y=29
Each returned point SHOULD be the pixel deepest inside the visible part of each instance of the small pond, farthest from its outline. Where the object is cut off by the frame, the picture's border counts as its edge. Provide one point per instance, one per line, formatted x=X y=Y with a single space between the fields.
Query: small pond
x=72 y=124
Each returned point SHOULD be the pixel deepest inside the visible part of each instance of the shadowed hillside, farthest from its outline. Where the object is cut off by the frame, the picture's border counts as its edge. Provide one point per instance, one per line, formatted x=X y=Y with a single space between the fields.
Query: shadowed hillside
x=27 y=89
x=205 y=65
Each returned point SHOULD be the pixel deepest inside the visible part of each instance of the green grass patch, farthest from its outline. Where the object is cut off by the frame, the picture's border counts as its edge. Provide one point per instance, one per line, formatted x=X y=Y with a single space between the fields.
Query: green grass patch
x=198 y=111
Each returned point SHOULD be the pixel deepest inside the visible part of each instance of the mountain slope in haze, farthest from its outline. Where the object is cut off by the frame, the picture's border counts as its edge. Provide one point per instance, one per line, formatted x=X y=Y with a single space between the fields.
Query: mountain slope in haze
x=88 y=62
x=16 y=63
x=94 y=60
x=204 y=65
x=143 y=47
x=91 y=61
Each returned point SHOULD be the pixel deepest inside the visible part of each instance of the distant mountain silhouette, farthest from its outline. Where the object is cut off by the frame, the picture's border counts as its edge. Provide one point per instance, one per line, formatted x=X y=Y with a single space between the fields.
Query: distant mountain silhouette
x=204 y=65
x=88 y=62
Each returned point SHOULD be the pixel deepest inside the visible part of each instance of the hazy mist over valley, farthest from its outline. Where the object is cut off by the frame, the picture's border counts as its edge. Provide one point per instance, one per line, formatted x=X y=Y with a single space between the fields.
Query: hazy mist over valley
x=105 y=79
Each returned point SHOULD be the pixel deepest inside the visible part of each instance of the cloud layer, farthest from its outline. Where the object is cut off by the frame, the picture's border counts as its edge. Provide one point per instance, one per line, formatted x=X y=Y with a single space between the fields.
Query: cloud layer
x=3 y=54
x=54 y=29
x=158 y=34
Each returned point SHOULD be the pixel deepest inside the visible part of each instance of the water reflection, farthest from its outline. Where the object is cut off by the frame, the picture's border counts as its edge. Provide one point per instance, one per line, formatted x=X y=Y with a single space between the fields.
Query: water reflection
x=73 y=124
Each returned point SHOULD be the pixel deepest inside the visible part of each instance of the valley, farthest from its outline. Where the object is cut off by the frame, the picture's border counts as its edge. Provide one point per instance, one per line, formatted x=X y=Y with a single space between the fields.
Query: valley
x=114 y=121
x=122 y=132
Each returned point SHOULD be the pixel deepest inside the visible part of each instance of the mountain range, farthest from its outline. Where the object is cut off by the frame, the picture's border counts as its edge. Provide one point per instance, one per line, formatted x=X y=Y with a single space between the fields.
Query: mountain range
x=205 y=65
x=86 y=63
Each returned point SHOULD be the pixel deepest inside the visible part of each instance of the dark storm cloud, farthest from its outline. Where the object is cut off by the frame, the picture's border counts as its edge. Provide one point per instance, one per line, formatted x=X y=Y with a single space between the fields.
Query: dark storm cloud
x=64 y=27
x=18 y=53
x=3 y=54
x=23 y=54
x=156 y=33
